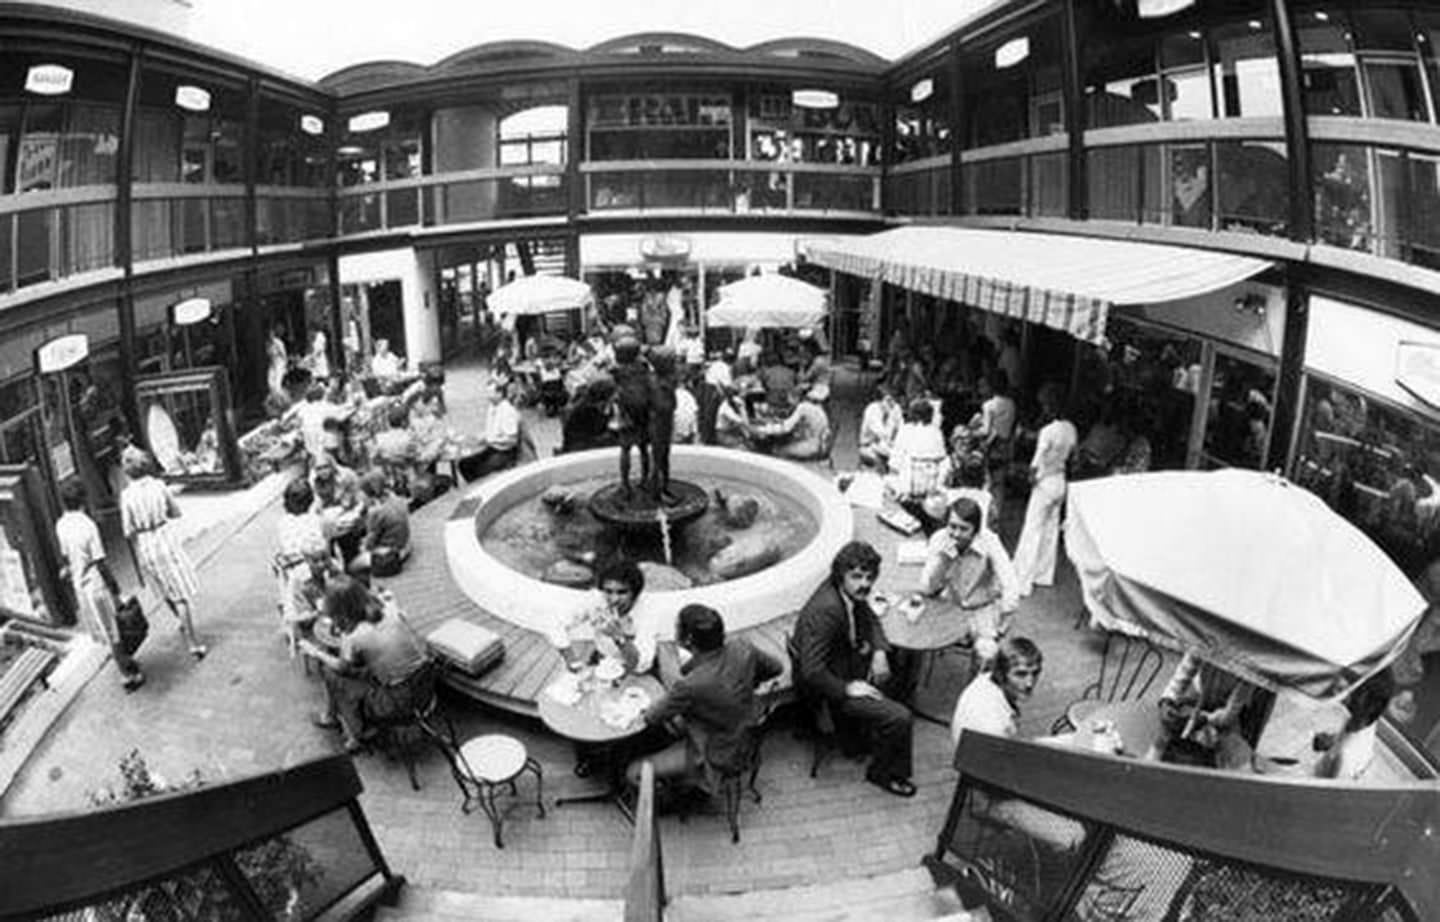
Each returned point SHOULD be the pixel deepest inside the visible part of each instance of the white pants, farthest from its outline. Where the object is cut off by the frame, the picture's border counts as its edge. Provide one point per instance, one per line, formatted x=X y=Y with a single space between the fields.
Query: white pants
x=1040 y=535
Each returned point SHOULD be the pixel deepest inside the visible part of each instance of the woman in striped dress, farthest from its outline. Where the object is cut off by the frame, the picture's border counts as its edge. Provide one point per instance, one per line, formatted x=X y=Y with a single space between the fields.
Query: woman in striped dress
x=146 y=508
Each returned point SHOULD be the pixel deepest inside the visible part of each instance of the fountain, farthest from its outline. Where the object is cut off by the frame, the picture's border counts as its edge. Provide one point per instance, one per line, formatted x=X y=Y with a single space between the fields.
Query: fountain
x=501 y=539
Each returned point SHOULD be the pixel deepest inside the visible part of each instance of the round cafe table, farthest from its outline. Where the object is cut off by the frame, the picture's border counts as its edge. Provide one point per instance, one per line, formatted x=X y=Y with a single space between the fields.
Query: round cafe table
x=940 y=625
x=582 y=723
x=1138 y=723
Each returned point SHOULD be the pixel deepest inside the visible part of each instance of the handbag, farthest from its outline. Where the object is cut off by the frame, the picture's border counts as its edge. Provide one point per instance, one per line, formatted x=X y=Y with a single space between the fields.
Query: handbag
x=131 y=625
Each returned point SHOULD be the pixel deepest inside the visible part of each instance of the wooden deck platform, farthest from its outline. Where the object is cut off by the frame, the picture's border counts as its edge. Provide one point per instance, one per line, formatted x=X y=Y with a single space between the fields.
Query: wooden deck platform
x=430 y=597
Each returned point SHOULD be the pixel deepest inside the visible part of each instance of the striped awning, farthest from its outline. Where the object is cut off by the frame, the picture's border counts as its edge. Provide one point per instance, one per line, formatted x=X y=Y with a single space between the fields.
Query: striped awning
x=1067 y=283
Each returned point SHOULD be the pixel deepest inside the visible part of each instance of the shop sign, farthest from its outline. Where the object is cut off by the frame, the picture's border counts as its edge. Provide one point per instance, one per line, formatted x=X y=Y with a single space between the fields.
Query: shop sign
x=49 y=79
x=815 y=99
x=1012 y=52
x=312 y=124
x=665 y=247
x=922 y=90
x=368 y=121
x=1417 y=370
x=192 y=98
x=37 y=157
x=62 y=353
x=191 y=311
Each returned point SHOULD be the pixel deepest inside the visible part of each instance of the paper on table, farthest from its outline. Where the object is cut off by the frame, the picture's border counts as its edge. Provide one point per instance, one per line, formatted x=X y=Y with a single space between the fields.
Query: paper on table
x=911 y=552
x=623 y=711
x=565 y=690
x=867 y=489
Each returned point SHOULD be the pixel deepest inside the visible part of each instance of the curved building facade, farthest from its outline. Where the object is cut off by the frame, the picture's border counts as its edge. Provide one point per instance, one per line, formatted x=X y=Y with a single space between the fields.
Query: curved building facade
x=168 y=212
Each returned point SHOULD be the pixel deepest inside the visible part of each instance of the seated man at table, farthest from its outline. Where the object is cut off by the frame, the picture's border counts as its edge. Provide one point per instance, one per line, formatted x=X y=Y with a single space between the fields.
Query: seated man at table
x=713 y=699
x=804 y=435
x=340 y=505
x=842 y=658
x=878 y=426
x=732 y=421
x=387 y=528
x=379 y=652
x=1222 y=712
x=991 y=704
x=501 y=448
x=966 y=564
x=613 y=620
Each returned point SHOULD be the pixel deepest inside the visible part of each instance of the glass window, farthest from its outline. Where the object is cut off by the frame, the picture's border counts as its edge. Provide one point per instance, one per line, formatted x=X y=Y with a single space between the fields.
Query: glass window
x=1237 y=417
x=1253 y=187
x=1381 y=30
x=847 y=133
x=1395 y=89
x=1377 y=465
x=662 y=125
x=534 y=136
x=923 y=129
x=1342 y=195
x=1191 y=201
x=288 y=155
x=1247 y=74
x=1328 y=79
x=1121 y=86
x=1022 y=98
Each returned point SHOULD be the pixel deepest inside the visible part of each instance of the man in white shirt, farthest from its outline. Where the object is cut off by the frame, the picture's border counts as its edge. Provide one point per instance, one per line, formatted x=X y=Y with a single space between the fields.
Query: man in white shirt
x=1036 y=551
x=878 y=426
x=502 y=435
x=613 y=621
x=384 y=364
x=991 y=704
x=968 y=565
x=997 y=412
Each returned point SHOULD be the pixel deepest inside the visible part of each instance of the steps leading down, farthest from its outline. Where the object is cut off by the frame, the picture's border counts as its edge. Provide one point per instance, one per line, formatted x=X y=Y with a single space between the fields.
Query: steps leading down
x=904 y=896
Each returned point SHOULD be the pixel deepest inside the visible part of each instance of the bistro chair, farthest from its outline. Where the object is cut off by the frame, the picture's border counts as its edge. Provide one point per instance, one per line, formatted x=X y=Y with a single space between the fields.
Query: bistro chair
x=818 y=723
x=411 y=718
x=1128 y=668
x=485 y=764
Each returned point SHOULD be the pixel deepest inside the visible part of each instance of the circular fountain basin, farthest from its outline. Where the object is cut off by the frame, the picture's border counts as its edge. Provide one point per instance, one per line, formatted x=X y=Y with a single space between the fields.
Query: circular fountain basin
x=525 y=600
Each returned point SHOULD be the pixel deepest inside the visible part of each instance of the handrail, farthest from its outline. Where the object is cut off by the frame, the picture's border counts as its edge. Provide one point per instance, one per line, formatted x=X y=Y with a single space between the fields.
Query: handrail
x=1189 y=130
x=645 y=887
x=1333 y=129
x=128 y=844
x=170 y=190
x=1050 y=144
x=57 y=198
x=457 y=176
x=739 y=166
x=1381 y=835
x=919 y=165
x=308 y=193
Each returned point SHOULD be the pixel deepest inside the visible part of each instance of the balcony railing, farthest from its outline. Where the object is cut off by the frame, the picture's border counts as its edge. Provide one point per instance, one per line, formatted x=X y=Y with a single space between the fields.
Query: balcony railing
x=179 y=219
x=1023 y=178
x=730 y=187
x=48 y=235
x=1223 y=175
x=454 y=198
x=922 y=187
x=291 y=215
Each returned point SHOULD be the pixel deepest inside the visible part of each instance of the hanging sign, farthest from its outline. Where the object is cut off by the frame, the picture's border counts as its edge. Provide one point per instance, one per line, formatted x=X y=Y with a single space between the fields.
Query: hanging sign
x=1012 y=52
x=62 y=353
x=49 y=79
x=1417 y=370
x=1157 y=9
x=368 y=121
x=191 y=311
x=815 y=99
x=312 y=124
x=192 y=98
x=922 y=90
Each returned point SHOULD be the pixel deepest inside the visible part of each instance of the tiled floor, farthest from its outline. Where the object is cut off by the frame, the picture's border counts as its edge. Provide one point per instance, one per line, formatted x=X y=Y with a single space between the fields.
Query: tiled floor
x=246 y=709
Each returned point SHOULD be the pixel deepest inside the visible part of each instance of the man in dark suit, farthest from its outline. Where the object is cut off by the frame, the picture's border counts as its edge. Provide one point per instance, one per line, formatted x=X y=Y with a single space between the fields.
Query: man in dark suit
x=842 y=657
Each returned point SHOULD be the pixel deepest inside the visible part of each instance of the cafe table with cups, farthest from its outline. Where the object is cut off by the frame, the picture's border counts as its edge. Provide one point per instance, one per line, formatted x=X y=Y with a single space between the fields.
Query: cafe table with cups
x=598 y=704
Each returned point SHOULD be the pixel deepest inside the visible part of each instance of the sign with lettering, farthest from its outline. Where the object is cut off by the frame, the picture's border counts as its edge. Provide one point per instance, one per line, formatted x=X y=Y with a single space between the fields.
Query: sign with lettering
x=368 y=121
x=1417 y=370
x=192 y=98
x=62 y=353
x=35 y=165
x=312 y=124
x=191 y=311
x=49 y=79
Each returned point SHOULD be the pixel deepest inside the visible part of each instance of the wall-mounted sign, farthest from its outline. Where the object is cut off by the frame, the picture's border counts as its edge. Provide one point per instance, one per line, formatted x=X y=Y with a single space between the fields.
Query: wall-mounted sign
x=1156 y=9
x=815 y=99
x=192 y=98
x=312 y=124
x=368 y=121
x=922 y=90
x=49 y=79
x=665 y=247
x=1012 y=52
x=191 y=311
x=1417 y=370
x=62 y=352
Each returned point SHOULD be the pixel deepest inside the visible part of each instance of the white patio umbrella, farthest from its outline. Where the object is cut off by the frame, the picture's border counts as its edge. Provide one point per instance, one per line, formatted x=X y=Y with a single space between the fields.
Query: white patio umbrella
x=768 y=301
x=539 y=294
x=1245 y=569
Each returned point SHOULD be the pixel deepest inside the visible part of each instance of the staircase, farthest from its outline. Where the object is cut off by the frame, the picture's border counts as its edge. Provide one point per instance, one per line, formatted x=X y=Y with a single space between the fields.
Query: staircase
x=904 y=896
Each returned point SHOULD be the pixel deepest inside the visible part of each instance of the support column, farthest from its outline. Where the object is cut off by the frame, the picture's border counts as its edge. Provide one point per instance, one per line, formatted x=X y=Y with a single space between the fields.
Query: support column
x=1292 y=370
x=124 y=240
x=1078 y=204
x=1297 y=135
x=957 y=115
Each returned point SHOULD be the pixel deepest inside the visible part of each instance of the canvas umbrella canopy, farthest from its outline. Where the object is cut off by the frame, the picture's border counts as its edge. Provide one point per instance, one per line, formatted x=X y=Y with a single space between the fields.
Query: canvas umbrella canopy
x=539 y=294
x=768 y=301
x=1247 y=570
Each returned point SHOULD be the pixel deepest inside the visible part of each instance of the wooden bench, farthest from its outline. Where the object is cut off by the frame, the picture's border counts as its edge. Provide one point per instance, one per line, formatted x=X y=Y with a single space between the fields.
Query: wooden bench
x=31 y=666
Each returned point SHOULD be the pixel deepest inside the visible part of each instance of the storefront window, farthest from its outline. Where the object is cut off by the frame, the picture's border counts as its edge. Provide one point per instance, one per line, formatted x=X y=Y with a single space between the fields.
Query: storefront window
x=1148 y=378
x=287 y=153
x=660 y=125
x=1013 y=88
x=780 y=130
x=1377 y=465
x=1253 y=188
x=1247 y=73
x=1237 y=417
x=1330 y=82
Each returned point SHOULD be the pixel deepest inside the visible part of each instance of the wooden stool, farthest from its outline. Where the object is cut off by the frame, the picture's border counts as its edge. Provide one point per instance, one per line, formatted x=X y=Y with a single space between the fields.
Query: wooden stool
x=489 y=762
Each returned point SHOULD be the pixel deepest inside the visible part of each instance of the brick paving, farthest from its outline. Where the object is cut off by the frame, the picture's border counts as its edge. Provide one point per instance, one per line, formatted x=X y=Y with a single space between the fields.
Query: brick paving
x=246 y=709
